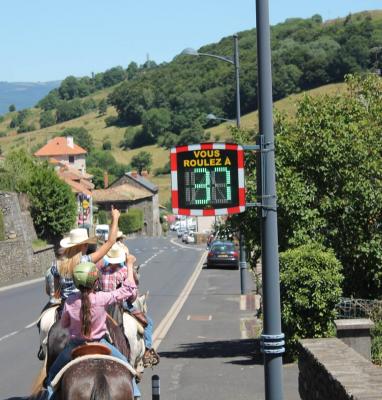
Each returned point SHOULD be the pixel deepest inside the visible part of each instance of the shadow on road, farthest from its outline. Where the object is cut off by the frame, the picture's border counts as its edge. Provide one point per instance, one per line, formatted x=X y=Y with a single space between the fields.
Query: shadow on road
x=248 y=348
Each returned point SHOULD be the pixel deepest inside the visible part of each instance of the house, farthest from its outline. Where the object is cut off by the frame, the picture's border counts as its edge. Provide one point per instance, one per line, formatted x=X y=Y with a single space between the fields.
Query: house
x=133 y=191
x=64 y=150
x=69 y=161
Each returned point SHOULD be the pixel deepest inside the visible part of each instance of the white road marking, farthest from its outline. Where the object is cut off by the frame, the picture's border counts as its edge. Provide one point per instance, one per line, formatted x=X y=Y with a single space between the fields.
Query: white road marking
x=9 y=335
x=167 y=321
x=16 y=285
x=186 y=247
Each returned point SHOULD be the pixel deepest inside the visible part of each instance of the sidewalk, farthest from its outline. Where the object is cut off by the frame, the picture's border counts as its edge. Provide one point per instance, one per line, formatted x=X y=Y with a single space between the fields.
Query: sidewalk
x=210 y=350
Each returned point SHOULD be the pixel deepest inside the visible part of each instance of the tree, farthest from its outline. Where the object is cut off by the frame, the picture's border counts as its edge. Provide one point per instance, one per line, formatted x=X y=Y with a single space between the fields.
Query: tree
x=47 y=118
x=113 y=76
x=102 y=107
x=50 y=101
x=81 y=137
x=329 y=188
x=156 y=121
x=142 y=161
x=68 y=110
x=53 y=204
x=12 y=108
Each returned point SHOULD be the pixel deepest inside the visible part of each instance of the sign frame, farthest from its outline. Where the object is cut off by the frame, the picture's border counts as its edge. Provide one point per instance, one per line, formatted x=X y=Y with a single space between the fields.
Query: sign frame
x=208 y=211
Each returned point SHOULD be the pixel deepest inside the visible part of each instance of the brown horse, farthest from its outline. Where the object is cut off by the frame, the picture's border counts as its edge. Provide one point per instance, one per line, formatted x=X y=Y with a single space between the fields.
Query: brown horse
x=93 y=378
x=96 y=379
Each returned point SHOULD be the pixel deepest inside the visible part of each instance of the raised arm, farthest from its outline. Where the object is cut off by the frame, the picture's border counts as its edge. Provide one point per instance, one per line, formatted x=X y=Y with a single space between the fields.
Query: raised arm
x=101 y=252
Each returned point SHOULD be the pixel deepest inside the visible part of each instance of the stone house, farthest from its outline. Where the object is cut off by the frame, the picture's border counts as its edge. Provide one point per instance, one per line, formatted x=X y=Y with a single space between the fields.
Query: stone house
x=133 y=191
x=64 y=150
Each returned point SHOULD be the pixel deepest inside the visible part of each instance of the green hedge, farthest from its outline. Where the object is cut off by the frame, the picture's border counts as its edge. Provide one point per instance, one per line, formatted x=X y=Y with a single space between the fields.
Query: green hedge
x=132 y=221
x=102 y=217
x=2 y=227
x=310 y=287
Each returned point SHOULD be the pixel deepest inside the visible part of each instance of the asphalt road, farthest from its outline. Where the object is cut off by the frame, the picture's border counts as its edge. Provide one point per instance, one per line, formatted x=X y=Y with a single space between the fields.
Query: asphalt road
x=165 y=269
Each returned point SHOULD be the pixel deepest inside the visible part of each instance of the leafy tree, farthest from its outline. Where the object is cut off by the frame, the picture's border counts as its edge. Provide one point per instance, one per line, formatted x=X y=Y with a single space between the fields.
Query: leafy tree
x=113 y=76
x=102 y=107
x=47 y=118
x=81 y=137
x=12 y=108
x=132 y=70
x=142 y=161
x=50 y=101
x=105 y=160
x=329 y=189
x=156 y=121
x=97 y=176
x=68 y=110
x=53 y=204
x=71 y=87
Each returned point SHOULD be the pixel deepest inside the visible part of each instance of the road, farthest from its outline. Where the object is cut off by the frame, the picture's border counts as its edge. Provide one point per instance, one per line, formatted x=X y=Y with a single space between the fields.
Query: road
x=165 y=269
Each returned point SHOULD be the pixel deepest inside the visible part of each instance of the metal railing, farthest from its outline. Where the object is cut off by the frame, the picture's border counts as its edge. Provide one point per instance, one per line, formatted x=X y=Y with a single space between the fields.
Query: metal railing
x=358 y=308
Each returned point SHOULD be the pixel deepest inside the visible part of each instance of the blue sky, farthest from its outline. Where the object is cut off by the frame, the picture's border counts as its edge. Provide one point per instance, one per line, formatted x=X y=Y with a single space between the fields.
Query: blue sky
x=45 y=40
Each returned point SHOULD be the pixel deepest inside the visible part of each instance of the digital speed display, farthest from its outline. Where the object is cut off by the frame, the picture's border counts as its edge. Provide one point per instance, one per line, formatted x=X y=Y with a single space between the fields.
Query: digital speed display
x=207 y=179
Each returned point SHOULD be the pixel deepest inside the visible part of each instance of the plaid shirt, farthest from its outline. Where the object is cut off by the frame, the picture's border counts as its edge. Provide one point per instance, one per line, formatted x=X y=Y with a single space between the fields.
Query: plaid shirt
x=67 y=286
x=111 y=278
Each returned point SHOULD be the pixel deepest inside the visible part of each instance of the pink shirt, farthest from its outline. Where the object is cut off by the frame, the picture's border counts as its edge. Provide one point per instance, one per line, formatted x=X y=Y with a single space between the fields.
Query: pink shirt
x=71 y=318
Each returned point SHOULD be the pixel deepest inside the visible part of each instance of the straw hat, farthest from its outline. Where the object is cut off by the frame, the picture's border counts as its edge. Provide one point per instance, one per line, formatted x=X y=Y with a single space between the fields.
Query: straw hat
x=120 y=234
x=77 y=236
x=116 y=255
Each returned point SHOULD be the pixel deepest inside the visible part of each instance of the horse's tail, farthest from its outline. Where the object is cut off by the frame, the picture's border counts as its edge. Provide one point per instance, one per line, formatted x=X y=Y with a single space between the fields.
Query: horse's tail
x=100 y=390
x=37 y=384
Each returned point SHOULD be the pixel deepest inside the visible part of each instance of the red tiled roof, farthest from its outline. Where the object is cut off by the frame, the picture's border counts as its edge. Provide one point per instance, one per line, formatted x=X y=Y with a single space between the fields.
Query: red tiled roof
x=77 y=187
x=58 y=146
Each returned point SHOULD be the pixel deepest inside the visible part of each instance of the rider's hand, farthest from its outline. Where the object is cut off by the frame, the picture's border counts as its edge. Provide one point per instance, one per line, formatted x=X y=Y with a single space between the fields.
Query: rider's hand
x=115 y=214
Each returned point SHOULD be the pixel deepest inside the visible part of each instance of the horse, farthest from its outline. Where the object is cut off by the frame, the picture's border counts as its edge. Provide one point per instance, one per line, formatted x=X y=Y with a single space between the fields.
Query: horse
x=58 y=337
x=94 y=379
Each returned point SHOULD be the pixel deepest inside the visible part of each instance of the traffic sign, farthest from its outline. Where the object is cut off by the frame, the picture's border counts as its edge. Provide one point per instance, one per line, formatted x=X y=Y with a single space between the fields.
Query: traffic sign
x=207 y=179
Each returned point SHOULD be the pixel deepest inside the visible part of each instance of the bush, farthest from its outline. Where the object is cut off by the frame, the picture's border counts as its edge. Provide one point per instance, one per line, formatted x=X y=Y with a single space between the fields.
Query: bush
x=102 y=217
x=111 y=120
x=106 y=145
x=3 y=133
x=310 y=287
x=132 y=221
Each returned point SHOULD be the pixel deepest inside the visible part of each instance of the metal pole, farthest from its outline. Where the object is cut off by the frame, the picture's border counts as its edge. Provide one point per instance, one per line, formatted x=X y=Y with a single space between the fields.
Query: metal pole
x=155 y=387
x=272 y=337
x=243 y=257
x=237 y=77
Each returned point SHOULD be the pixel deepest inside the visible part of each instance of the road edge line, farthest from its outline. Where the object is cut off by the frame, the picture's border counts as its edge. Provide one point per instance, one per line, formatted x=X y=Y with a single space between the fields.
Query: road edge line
x=25 y=283
x=166 y=323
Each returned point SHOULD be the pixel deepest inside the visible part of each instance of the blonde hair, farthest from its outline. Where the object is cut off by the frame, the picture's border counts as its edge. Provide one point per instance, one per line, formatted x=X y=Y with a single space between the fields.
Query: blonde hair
x=71 y=256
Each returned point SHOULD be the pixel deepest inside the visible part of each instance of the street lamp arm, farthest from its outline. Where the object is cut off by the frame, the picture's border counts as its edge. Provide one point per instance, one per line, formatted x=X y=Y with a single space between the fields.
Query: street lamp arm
x=222 y=58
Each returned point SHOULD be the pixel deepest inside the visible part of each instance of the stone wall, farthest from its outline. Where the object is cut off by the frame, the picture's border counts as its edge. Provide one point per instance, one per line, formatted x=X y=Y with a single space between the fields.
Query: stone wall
x=18 y=259
x=331 y=370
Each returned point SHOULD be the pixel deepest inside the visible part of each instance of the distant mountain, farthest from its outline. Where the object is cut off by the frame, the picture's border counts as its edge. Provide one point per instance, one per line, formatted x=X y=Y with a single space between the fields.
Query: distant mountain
x=23 y=94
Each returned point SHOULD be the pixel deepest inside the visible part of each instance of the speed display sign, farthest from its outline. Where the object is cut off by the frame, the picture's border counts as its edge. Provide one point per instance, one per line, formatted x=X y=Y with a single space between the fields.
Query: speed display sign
x=207 y=179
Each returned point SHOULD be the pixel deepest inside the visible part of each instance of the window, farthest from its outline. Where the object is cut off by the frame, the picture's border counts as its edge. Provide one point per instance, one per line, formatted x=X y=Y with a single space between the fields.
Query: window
x=71 y=159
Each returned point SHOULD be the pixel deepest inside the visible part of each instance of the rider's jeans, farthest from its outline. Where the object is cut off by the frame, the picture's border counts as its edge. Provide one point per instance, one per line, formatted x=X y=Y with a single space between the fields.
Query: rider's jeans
x=66 y=356
x=148 y=333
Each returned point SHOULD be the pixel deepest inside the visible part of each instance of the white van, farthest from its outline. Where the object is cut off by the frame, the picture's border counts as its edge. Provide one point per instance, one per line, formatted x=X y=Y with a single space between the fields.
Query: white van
x=102 y=232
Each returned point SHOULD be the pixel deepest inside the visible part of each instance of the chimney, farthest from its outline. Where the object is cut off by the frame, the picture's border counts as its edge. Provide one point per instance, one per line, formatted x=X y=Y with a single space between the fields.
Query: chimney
x=144 y=173
x=105 y=179
x=69 y=141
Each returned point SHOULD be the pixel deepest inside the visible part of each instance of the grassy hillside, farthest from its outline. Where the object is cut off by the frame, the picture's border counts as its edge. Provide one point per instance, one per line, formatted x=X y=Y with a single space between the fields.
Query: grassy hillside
x=97 y=128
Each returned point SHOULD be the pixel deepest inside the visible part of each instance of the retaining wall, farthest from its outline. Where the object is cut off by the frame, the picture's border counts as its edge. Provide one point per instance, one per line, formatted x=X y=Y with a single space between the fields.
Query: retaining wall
x=18 y=259
x=331 y=370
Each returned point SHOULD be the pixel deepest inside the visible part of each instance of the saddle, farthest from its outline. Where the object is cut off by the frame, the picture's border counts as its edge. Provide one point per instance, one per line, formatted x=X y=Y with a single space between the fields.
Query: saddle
x=90 y=349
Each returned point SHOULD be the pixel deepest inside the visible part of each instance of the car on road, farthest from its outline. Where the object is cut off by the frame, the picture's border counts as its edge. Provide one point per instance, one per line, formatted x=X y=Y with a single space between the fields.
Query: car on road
x=223 y=254
x=190 y=238
x=180 y=232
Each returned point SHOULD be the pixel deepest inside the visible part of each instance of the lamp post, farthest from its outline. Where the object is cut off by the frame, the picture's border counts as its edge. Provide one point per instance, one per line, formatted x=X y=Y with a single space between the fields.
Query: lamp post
x=235 y=62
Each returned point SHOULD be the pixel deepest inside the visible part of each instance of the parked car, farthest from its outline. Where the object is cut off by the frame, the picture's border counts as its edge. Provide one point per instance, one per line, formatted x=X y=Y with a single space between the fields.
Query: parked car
x=190 y=238
x=223 y=254
x=102 y=232
x=180 y=232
